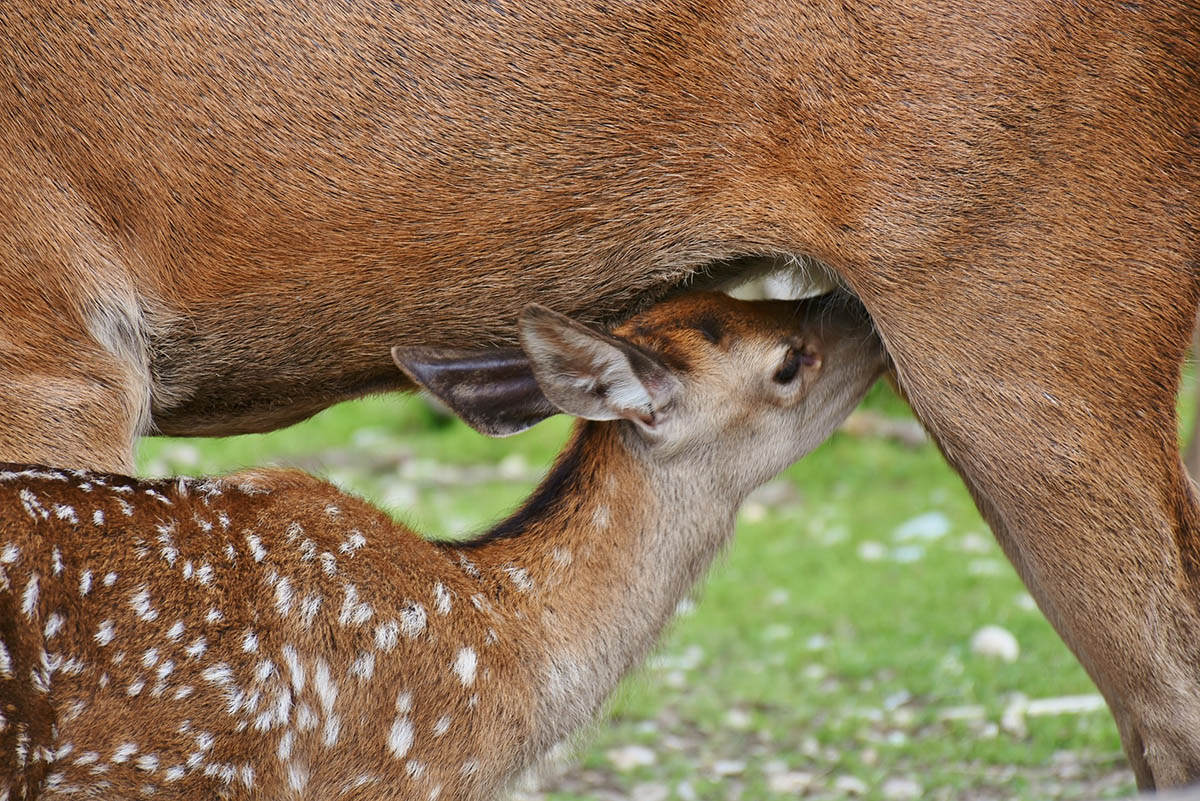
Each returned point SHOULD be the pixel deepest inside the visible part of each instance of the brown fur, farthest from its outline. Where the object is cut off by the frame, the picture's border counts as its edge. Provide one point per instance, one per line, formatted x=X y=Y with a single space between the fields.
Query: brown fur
x=219 y=217
x=267 y=636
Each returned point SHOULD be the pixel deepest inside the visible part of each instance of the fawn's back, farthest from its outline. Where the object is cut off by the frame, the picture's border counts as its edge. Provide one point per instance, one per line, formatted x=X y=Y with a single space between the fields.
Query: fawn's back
x=123 y=593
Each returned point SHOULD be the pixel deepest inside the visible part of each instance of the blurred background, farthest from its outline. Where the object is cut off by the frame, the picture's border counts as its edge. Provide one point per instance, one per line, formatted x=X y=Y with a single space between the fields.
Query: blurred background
x=863 y=637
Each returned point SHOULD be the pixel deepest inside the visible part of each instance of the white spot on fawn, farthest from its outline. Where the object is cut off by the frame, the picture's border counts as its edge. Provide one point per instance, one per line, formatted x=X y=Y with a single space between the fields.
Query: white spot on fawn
x=29 y=598
x=333 y=726
x=53 y=625
x=363 y=667
x=354 y=541
x=325 y=685
x=85 y=582
x=140 y=601
x=442 y=726
x=66 y=513
x=9 y=554
x=519 y=577
x=308 y=609
x=98 y=517
x=56 y=561
x=354 y=612
x=292 y=660
x=464 y=666
x=283 y=596
x=412 y=619
x=32 y=507
x=256 y=547
x=386 y=635
x=441 y=597
x=285 y=746
x=197 y=648
x=400 y=738
x=123 y=753
x=176 y=630
x=104 y=634
x=219 y=673
x=403 y=703
x=249 y=641
x=5 y=662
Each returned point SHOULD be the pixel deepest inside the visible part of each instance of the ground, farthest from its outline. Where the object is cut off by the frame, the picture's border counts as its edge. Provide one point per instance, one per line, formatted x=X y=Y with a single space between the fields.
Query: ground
x=829 y=654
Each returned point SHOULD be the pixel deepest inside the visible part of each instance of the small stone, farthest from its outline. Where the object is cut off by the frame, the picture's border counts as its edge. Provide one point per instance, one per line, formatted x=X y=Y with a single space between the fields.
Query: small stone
x=686 y=791
x=729 y=767
x=871 y=551
x=629 y=757
x=849 y=785
x=926 y=527
x=900 y=789
x=789 y=782
x=975 y=542
x=779 y=597
x=996 y=643
x=907 y=554
x=1025 y=601
x=754 y=513
x=181 y=454
x=738 y=719
x=817 y=642
x=513 y=467
x=650 y=791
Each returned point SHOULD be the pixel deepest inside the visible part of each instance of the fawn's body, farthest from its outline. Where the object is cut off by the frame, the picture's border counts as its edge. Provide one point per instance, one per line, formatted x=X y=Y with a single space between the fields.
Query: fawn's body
x=268 y=636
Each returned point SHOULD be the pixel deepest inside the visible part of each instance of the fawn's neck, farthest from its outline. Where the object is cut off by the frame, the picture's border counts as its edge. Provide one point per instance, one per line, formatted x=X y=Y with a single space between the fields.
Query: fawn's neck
x=600 y=557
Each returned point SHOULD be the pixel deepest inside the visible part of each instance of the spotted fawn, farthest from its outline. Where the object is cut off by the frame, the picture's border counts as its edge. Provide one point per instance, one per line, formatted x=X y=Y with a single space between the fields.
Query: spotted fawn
x=268 y=636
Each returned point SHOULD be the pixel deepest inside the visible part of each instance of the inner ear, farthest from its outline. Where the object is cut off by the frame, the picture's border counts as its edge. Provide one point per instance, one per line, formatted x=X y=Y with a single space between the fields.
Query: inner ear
x=492 y=390
x=593 y=374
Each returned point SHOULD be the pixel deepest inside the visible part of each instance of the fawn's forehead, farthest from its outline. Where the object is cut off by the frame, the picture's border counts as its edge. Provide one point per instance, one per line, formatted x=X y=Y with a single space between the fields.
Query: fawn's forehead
x=679 y=325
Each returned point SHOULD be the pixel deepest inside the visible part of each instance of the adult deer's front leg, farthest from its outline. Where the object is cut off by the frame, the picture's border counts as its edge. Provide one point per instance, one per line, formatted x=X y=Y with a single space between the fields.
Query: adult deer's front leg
x=1059 y=413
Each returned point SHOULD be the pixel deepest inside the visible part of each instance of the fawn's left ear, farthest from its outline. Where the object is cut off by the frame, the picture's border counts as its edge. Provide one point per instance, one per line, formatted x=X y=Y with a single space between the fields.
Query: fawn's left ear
x=594 y=375
x=492 y=390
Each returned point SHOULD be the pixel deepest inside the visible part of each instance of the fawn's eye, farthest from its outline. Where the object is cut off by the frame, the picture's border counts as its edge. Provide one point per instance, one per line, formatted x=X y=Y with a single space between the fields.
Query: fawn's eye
x=793 y=360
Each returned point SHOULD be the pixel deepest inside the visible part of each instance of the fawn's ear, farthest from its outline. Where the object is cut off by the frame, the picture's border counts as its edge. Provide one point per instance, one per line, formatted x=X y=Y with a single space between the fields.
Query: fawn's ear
x=590 y=374
x=493 y=391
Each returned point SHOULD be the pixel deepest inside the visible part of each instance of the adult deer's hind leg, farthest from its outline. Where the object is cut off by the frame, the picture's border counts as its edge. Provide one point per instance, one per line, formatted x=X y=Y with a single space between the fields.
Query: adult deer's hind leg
x=1060 y=415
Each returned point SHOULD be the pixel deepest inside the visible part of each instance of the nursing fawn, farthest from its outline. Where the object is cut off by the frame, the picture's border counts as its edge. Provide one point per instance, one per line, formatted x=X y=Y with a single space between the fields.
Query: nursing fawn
x=266 y=635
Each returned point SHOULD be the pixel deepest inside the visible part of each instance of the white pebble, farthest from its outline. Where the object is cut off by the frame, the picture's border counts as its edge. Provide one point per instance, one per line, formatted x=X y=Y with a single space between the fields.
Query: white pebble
x=871 y=551
x=629 y=757
x=995 y=642
x=650 y=791
x=900 y=789
x=729 y=767
x=849 y=785
x=789 y=782
x=927 y=527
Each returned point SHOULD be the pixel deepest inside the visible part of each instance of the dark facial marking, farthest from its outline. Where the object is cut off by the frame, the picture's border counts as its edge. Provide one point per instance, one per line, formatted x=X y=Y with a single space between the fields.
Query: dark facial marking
x=710 y=328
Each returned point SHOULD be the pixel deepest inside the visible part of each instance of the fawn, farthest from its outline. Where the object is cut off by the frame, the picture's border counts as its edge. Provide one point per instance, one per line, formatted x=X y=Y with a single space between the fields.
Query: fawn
x=266 y=635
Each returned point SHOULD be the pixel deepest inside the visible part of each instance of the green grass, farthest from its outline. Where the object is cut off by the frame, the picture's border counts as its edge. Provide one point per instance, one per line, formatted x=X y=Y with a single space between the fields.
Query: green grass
x=799 y=654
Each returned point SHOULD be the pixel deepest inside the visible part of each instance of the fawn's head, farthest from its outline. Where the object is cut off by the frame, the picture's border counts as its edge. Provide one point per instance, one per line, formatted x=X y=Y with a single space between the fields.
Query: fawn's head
x=755 y=385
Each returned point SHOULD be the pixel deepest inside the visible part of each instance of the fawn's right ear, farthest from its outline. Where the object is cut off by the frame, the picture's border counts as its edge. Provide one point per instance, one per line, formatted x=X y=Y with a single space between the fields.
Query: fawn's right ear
x=594 y=375
x=492 y=390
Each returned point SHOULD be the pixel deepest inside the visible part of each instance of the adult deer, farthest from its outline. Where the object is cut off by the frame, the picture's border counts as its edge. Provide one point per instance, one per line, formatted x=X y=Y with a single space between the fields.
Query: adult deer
x=267 y=636
x=219 y=217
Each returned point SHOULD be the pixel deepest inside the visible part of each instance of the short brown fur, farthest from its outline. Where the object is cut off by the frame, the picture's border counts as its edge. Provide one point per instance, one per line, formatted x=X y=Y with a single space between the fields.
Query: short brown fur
x=218 y=217
x=266 y=636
